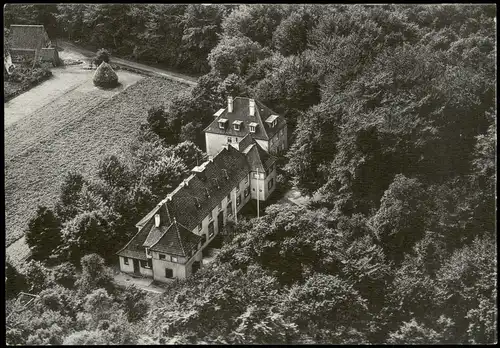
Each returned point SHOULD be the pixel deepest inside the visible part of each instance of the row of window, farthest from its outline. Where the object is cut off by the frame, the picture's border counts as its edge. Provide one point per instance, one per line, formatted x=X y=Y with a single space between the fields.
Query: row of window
x=149 y=263
x=229 y=205
x=269 y=185
x=237 y=125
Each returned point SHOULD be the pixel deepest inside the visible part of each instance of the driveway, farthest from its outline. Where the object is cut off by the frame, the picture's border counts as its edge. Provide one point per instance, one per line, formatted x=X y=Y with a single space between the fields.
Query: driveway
x=192 y=81
x=145 y=284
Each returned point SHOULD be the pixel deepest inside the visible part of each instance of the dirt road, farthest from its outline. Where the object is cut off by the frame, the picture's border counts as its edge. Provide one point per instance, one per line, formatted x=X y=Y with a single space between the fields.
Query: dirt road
x=38 y=109
x=192 y=81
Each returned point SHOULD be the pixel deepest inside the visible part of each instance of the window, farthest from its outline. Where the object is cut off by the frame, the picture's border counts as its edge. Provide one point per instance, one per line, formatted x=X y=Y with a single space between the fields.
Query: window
x=229 y=209
x=229 y=198
x=220 y=206
x=146 y=264
x=255 y=175
x=210 y=229
x=238 y=201
x=237 y=189
x=210 y=217
x=148 y=253
x=169 y=273
x=237 y=125
x=174 y=259
x=161 y=256
x=246 y=179
x=270 y=183
x=236 y=139
x=125 y=260
x=222 y=123
x=229 y=140
x=200 y=227
x=203 y=238
x=247 y=191
x=252 y=129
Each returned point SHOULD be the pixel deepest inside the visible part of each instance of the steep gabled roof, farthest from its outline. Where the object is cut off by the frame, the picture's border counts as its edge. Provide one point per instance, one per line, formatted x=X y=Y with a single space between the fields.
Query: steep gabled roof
x=177 y=240
x=211 y=180
x=135 y=248
x=257 y=157
x=189 y=204
x=28 y=36
x=241 y=112
x=245 y=142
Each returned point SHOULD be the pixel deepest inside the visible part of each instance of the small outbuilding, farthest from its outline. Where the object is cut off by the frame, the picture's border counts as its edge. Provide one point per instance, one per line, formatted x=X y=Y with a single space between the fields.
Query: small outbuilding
x=31 y=42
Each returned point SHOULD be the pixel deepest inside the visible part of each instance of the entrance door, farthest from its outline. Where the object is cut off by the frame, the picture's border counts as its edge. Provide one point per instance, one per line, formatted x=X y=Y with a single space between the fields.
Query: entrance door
x=136 y=267
x=196 y=266
x=220 y=221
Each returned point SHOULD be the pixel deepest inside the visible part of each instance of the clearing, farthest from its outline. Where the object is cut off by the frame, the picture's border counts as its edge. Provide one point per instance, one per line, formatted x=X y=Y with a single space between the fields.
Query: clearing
x=66 y=124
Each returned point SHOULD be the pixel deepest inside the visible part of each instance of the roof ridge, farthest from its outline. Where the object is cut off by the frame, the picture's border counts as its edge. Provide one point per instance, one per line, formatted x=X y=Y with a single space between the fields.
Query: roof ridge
x=179 y=236
x=163 y=235
x=185 y=228
x=130 y=241
x=259 y=118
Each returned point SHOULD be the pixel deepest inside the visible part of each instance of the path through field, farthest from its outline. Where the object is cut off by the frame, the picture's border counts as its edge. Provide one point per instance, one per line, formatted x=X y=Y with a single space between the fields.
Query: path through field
x=66 y=124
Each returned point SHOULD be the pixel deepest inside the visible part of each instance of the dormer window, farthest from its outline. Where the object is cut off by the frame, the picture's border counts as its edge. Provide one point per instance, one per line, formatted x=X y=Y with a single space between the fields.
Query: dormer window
x=272 y=121
x=222 y=123
x=253 y=127
x=237 y=125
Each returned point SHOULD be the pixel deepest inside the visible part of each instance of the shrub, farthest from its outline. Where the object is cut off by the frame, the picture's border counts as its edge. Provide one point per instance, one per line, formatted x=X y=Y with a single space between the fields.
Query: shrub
x=102 y=56
x=105 y=76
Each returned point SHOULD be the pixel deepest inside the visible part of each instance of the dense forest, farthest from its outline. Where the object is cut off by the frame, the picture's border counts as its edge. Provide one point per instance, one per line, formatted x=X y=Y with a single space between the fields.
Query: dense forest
x=393 y=114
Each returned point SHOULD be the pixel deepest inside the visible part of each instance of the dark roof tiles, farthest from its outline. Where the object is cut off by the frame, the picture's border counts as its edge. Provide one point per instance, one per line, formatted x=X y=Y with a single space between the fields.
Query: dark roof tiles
x=257 y=157
x=189 y=204
x=177 y=240
x=28 y=36
x=241 y=112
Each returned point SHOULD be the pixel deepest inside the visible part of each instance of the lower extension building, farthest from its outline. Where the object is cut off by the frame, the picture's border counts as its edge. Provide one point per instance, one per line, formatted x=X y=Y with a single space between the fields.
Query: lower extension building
x=171 y=237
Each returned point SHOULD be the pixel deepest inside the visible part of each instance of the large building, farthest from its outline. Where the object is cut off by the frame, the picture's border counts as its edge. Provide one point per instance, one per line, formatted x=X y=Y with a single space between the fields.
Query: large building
x=245 y=116
x=171 y=237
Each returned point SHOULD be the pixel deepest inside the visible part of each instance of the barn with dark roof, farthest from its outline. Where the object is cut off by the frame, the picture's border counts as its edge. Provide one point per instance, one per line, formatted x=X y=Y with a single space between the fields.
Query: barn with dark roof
x=31 y=42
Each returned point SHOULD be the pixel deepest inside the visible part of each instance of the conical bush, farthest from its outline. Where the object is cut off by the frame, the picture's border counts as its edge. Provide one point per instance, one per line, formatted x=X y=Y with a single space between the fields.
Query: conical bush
x=105 y=76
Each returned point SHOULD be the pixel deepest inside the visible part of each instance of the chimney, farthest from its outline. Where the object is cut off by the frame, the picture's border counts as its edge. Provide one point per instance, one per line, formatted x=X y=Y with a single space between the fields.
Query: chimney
x=251 y=104
x=229 y=104
x=186 y=182
x=157 y=220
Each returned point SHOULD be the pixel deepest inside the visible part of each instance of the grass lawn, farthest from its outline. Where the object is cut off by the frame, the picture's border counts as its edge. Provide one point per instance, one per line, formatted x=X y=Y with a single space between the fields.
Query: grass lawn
x=70 y=133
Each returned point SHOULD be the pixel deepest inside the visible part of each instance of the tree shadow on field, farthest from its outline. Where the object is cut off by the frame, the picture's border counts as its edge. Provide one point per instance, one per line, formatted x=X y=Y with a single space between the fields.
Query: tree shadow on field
x=118 y=87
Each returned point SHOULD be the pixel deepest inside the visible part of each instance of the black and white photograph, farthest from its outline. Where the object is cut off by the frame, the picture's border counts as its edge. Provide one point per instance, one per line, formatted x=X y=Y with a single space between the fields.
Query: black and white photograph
x=250 y=173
